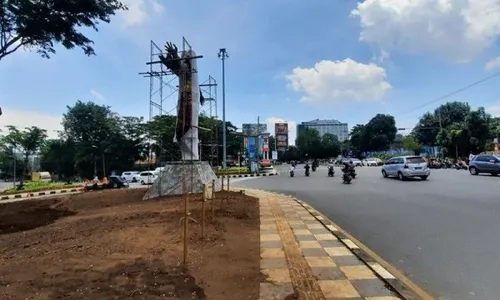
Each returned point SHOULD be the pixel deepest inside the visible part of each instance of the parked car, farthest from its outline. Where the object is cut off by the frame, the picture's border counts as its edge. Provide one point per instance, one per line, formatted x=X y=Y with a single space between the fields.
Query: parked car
x=114 y=182
x=131 y=176
x=355 y=161
x=485 y=163
x=373 y=162
x=148 y=177
x=405 y=167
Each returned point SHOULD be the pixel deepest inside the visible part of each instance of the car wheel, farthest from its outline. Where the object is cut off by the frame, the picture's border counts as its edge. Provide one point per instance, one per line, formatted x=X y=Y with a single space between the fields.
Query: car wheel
x=142 y=182
x=401 y=176
x=384 y=173
x=424 y=177
x=134 y=180
x=473 y=171
x=494 y=174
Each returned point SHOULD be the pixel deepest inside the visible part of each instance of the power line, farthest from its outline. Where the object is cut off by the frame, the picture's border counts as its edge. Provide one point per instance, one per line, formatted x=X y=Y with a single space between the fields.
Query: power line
x=453 y=93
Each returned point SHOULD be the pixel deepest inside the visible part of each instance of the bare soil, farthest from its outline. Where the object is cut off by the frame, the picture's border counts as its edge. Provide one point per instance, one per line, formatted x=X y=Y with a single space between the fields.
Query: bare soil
x=113 y=245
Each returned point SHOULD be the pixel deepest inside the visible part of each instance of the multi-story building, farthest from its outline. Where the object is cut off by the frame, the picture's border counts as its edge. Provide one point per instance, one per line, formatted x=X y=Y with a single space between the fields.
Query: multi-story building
x=326 y=126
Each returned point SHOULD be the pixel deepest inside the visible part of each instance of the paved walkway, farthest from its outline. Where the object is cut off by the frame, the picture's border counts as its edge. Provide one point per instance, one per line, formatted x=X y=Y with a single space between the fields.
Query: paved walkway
x=301 y=255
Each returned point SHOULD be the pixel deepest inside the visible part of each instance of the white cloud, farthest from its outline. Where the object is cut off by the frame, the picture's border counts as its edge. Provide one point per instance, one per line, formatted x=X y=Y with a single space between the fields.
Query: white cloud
x=493 y=64
x=494 y=110
x=457 y=30
x=330 y=82
x=292 y=128
x=98 y=95
x=23 y=119
x=140 y=11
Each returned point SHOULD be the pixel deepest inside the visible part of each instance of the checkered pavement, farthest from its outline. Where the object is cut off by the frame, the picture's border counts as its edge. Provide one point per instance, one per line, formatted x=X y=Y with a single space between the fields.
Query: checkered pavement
x=300 y=255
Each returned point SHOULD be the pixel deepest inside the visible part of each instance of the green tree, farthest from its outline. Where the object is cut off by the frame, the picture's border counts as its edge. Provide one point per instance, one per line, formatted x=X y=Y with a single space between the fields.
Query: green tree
x=28 y=142
x=292 y=153
x=95 y=130
x=330 y=146
x=58 y=157
x=41 y=24
x=357 y=142
x=494 y=128
x=380 y=132
x=309 y=143
x=478 y=129
x=409 y=143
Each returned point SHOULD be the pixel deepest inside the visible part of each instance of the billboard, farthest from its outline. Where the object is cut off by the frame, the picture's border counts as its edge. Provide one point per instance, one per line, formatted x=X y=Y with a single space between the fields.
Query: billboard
x=253 y=129
x=281 y=135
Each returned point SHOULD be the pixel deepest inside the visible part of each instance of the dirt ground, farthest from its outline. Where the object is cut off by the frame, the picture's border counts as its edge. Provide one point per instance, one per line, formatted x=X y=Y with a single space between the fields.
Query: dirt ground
x=113 y=245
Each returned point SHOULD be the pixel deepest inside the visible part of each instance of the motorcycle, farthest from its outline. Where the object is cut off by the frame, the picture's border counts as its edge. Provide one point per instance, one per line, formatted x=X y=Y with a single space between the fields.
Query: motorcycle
x=331 y=171
x=353 y=174
x=307 y=172
x=314 y=168
x=346 y=178
x=292 y=173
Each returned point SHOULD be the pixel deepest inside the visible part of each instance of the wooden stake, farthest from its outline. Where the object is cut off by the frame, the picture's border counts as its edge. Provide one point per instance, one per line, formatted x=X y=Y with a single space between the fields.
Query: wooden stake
x=203 y=210
x=222 y=183
x=228 y=182
x=213 y=198
x=186 y=220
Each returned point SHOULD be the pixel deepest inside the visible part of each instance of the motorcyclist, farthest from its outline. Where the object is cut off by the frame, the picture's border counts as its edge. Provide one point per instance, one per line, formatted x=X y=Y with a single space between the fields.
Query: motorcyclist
x=330 y=167
x=307 y=167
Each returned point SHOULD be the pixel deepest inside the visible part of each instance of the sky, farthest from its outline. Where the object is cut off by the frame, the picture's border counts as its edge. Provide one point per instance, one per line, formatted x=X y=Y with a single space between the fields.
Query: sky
x=289 y=60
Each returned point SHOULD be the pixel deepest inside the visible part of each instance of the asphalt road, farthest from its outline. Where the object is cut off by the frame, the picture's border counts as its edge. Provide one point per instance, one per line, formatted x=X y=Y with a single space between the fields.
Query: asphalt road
x=443 y=233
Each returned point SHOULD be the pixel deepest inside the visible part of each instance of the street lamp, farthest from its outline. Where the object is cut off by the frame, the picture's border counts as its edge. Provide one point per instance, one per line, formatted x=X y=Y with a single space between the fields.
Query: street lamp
x=223 y=55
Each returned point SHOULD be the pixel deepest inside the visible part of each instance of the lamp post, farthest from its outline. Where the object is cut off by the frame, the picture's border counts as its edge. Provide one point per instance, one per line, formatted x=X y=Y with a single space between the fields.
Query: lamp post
x=223 y=55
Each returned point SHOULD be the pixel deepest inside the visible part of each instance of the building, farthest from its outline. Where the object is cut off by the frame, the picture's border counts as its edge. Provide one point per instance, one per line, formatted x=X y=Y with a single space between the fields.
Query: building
x=326 y=126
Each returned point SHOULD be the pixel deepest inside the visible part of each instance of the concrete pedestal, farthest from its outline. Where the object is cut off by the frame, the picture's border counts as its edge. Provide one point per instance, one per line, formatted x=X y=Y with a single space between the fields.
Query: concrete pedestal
x=193 y=173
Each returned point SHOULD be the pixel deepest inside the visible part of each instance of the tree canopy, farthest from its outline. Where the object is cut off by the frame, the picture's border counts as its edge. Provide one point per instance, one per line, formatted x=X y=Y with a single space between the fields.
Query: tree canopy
x=41 y=24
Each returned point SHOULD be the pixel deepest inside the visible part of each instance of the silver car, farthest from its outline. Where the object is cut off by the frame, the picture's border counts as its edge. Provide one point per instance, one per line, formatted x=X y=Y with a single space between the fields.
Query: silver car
x=405 y=167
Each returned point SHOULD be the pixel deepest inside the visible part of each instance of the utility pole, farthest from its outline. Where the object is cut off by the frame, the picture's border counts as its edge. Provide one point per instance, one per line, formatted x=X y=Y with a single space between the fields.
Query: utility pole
x=223 y=55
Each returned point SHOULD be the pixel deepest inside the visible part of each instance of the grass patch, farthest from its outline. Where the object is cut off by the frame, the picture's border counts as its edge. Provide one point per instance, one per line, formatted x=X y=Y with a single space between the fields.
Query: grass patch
x=30 y=187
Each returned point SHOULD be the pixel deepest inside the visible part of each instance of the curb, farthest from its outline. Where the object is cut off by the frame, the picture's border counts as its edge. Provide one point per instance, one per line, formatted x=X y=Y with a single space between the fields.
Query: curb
x=44 y=193
x=249 y=175
x=394 y=283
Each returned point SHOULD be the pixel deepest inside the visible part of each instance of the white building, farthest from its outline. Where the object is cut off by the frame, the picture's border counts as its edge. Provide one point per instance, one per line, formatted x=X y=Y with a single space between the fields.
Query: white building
x=326 y=126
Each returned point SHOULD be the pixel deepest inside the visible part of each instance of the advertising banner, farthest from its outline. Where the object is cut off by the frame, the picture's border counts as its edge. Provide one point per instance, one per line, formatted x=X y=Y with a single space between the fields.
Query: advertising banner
x=281 y=135
x=275 y=155
x=280 y=128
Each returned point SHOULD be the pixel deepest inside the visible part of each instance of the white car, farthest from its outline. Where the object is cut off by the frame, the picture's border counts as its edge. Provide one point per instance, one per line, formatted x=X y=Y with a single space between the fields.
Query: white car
x=373 y=162
x=148 y=177
x=131 y=176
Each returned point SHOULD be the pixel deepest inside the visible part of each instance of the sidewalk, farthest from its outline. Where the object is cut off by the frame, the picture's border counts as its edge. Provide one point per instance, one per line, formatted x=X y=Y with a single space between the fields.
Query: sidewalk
x=302 y=259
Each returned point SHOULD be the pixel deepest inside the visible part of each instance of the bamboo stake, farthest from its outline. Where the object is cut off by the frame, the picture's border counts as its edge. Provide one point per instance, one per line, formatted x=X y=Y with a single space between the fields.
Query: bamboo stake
x=203 y=210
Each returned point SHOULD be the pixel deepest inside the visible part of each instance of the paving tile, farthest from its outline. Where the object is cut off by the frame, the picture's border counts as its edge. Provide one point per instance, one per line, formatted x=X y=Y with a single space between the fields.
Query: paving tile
x=320 y=230
x=269 y=291
x=328 y=244
x=358 y=272
x=302 y=232
x=350 y=260
x=277 y=276
x=302 y=238
x=298 y=226
x=271 y=244
x=314 y=252
x=315 y=226
x=328 y=273
x=269 y=231
x=338 y=289
x=268 y=226
x=371 y=288
x=267 y=221
x=308 y=218
x=273 y=263
x=270 y=237
x=320 y=261
x=310 y=221
x=296 y=222
x=325 y=237
x=338 y=251
x=309 y=244
x=271 y=252
x=383 y=298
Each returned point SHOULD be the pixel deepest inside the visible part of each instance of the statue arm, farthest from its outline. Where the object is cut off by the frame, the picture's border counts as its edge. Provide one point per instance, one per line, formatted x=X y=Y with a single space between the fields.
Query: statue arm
x=171 y=60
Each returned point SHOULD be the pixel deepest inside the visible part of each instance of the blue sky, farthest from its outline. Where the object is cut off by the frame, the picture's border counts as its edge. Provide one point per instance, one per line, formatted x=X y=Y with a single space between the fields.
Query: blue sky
x=290 y=60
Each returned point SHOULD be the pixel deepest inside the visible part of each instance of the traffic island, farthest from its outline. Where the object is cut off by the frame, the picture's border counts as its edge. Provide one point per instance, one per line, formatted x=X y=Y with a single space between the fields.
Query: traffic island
x=116 y=246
